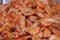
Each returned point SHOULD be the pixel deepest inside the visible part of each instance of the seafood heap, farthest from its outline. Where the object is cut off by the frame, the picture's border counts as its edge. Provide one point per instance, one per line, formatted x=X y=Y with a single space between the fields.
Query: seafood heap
x=30 y=20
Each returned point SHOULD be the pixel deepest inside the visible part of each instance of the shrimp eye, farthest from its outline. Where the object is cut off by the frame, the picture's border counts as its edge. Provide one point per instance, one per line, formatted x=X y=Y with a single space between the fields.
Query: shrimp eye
x=13 y=29
x=34 y=7
x=29 y=39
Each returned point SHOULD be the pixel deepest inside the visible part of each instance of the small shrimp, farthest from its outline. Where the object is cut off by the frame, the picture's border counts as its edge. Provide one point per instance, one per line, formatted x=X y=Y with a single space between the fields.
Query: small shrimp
x=46 y=33
x=47 y=21
x=33 y=30
x=55 y=31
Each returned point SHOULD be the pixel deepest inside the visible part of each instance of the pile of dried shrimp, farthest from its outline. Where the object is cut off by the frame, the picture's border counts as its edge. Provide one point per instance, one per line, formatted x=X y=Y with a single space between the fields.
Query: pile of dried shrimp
x=30 y=20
